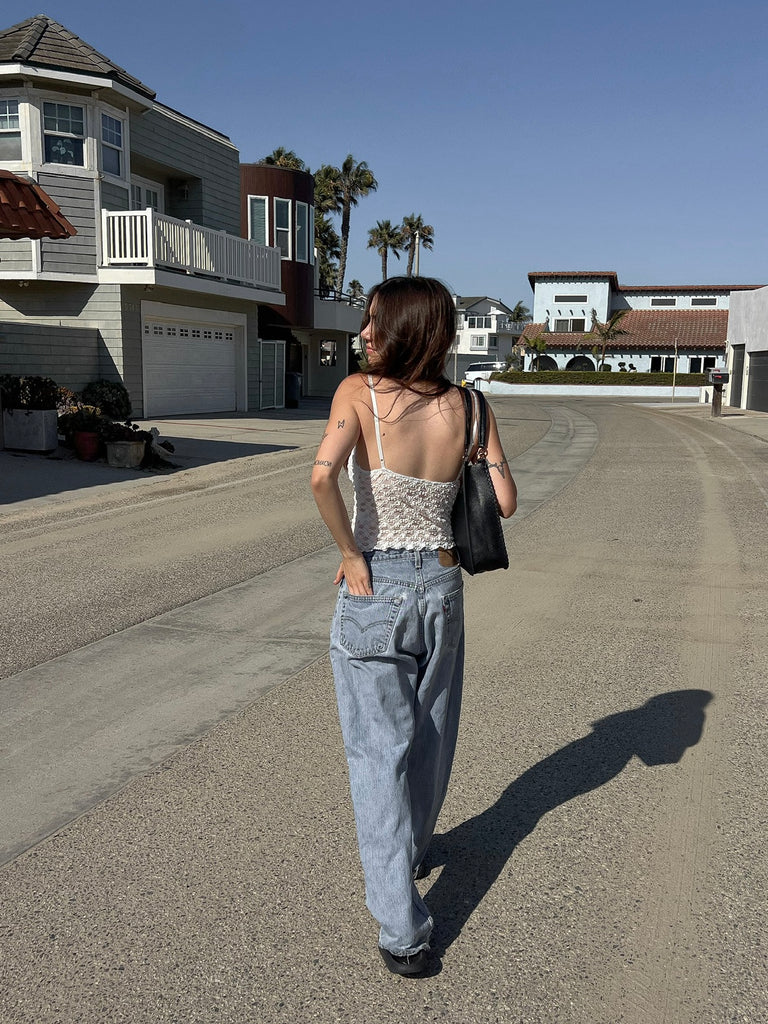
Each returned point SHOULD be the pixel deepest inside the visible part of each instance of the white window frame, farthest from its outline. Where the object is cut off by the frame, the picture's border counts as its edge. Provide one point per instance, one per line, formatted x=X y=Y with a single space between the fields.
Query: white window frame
x=147 y=188
x=120 y=150
x=266 y=219
x=663 y=302
x=288 y=230
x=302 y=251
x=13 y=131
x=65 y=135
x=478 y=343
x=312 y=235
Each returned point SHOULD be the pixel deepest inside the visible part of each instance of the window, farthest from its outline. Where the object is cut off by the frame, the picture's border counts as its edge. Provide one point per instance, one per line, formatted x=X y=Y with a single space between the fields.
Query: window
x=143 y=197
x=312 y=235
x=573 y=326
x=111 y=145
x=704 y=301
x=493 y=341
x=478 y=321
x=709 y=362
x=10 y=130
x=663 y=302
x=64 y=131
x=570 y=298
x=258 y=227
x=477 y=341
x=327 y=353
x=302 y=236
x=655 y=364
x=669 y=364
x=695 y=364
x=283 y=227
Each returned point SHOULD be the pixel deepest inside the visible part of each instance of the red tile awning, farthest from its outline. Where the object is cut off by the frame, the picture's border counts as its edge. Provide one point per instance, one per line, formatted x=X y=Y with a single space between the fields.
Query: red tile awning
x=27 y=211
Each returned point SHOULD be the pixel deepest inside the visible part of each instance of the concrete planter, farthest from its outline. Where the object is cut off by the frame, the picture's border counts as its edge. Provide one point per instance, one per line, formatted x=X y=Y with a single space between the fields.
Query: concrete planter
x=125 y=454
x=30 y=430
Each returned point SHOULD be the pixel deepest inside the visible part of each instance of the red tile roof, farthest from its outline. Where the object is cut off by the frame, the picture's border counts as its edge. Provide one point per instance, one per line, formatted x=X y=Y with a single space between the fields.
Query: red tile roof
x=26 y=211
x=652 y=329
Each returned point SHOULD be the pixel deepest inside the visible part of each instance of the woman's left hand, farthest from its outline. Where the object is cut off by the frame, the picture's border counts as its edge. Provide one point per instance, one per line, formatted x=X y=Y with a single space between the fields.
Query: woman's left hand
x=354 y=569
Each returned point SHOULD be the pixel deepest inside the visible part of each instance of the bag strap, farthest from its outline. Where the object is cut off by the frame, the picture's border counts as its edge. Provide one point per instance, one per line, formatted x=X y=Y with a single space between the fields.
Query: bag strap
x=476 y=425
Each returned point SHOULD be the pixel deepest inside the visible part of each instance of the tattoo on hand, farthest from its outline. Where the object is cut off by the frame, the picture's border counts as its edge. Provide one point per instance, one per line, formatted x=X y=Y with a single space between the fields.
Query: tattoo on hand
x=500 y=466
x=322 y=462
x=341 y=424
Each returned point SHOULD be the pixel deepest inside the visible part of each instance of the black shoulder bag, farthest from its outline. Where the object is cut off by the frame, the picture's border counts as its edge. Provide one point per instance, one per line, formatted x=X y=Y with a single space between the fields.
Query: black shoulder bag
x=475 y=519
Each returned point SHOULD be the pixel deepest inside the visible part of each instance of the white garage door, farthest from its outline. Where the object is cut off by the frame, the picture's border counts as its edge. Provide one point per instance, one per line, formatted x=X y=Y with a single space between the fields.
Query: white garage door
x=189 y=368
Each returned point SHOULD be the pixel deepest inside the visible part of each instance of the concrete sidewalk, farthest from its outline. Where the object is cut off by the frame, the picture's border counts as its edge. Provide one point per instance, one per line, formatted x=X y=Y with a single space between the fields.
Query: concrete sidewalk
x=199 y=441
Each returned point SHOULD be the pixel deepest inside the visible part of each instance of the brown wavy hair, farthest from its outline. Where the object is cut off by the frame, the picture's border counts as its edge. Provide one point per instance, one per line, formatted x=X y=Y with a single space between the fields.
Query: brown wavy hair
x=415 y=326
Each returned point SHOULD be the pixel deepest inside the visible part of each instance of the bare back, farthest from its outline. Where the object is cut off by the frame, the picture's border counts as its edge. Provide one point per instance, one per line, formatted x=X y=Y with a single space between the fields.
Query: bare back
x=421 y=435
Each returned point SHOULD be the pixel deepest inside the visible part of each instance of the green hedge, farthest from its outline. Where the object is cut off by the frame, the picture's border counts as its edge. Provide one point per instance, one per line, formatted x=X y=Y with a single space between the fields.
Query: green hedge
x=601 y=377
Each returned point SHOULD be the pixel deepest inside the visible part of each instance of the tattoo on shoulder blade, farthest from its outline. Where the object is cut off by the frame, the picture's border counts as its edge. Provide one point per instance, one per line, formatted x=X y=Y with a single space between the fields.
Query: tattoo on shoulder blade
x=500 y=466
x=322 y=462
x=341 y=424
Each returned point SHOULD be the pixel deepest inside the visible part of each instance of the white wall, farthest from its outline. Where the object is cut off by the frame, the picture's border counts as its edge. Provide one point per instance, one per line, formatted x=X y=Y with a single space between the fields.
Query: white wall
x=642 y=300
x=748 y=320
x=598 y=295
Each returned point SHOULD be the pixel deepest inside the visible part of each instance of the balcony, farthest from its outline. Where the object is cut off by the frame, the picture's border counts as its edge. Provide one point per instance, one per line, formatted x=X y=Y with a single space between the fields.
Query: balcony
x=338 y=313
x=145 y=239
x=505 y=325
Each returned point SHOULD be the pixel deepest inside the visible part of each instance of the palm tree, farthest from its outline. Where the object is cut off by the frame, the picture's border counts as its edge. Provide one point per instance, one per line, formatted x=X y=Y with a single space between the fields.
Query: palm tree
x=413 y=228
x=606 y=333
x=520 y=314
x=282 y=157
x=538 y=345
x=385 y=238
x=327 y=189
x=348 y=184
x=327 y=243
x=355 y=289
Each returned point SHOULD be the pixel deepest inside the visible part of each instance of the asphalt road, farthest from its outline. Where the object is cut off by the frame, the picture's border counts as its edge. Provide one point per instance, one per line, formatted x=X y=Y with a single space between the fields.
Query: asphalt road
x=601 y=856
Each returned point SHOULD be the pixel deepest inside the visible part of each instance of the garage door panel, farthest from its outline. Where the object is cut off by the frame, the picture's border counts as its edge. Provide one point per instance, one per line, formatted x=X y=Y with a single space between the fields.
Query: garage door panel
x=189 y=368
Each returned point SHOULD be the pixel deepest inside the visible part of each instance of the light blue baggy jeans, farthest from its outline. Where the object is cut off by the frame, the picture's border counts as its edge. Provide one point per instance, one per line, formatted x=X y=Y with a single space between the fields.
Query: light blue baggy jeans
x=398 y=660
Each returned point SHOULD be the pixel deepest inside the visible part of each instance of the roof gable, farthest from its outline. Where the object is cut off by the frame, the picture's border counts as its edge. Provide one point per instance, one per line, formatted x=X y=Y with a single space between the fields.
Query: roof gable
x=42 y=42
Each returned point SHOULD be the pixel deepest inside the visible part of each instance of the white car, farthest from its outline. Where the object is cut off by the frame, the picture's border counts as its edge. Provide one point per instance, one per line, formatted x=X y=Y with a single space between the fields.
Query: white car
x=481 y=371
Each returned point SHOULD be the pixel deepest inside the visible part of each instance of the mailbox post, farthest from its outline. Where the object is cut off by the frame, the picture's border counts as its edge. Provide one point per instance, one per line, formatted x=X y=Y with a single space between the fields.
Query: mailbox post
x=717 y=378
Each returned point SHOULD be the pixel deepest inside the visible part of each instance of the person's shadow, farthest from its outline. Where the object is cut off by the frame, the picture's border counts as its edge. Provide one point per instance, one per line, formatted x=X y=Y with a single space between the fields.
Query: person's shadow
x=475 y=852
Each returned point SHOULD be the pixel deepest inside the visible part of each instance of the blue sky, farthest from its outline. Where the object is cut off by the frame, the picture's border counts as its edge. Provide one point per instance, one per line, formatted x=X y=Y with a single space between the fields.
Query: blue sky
x=551 y=136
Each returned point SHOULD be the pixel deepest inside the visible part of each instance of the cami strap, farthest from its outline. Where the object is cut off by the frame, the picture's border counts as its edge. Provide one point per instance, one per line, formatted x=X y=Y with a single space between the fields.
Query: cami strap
x=376 y=421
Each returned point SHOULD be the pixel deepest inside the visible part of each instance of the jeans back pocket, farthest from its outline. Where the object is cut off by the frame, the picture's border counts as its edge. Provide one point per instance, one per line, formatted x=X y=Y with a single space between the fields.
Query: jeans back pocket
x=366 y=624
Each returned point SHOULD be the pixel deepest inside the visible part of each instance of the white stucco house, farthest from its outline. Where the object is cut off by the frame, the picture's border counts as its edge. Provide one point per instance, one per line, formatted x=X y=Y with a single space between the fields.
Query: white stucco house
x=485 y=332
x=662 y=322
x=748 y=351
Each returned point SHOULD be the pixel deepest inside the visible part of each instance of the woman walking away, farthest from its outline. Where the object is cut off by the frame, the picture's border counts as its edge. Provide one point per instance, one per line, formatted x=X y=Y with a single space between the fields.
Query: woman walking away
x=397 y=637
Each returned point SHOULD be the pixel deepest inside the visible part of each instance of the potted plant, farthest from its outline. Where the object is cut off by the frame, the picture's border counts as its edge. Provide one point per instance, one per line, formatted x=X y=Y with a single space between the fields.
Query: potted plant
x=80 y=425
x=29 y=412
x=110 y=396
x=126 y=443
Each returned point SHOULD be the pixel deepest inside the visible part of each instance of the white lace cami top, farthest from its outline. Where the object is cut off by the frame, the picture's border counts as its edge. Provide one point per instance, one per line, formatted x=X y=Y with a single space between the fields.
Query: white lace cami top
x=396 y=511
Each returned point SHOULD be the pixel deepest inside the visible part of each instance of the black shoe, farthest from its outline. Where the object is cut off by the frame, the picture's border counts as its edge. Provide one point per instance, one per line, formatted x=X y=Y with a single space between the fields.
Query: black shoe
x=407 y=965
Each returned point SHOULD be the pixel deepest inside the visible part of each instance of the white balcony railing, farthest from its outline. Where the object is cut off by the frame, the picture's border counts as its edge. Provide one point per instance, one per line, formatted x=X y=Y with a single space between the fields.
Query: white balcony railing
x=504 y=325
x=145 y=238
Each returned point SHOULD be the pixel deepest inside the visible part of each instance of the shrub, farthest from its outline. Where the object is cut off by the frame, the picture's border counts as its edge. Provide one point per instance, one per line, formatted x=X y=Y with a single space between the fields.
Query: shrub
x=600 y=377
x=33 y=392
x=110 y=396
x=80 y=418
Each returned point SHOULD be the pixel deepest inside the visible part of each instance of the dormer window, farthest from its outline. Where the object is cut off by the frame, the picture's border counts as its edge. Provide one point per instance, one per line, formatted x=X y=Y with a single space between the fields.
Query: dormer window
x=64 y=132
x=112 y=145
x=10 y=130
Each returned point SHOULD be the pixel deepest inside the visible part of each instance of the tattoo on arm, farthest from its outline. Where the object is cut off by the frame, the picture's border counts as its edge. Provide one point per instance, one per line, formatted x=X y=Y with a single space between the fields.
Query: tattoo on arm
x=500 y=466
x=341 y=424
x=322 y=462
x=324 y=437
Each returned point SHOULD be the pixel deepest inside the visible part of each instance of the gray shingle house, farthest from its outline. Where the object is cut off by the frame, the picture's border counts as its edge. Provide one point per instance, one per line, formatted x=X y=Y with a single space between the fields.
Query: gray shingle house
x=157 y=288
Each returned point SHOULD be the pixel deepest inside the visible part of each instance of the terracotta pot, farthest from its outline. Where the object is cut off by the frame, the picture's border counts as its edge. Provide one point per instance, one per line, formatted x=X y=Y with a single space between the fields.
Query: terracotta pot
x=86 y=445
